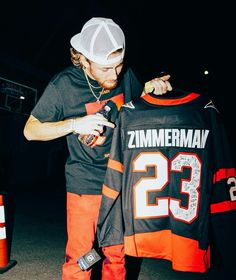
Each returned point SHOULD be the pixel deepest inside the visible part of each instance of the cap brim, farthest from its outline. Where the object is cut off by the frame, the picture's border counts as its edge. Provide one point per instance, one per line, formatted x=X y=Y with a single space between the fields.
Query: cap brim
x=75 y=42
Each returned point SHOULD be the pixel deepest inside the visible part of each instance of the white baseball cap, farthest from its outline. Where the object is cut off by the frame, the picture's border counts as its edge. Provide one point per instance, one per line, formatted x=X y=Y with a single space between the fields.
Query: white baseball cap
x=99 y=38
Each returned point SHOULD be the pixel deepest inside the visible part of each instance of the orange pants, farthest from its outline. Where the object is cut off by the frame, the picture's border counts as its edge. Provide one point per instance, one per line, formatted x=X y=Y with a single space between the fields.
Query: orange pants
x=82 y=215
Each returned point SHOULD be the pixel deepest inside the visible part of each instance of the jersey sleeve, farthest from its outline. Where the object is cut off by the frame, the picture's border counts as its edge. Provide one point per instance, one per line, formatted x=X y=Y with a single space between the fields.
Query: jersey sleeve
x=223 y=198
x=110 y=222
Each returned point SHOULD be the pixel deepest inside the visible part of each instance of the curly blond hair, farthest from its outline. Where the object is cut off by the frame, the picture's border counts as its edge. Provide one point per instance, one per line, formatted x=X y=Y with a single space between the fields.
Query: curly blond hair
x=75 y=57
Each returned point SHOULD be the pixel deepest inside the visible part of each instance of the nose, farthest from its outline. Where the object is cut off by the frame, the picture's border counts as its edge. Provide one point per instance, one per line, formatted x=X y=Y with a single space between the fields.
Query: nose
x=114 y=74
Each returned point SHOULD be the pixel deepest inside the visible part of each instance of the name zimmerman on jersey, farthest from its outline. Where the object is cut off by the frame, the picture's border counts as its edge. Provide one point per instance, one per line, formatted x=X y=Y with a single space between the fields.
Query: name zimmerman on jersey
x=189 y=138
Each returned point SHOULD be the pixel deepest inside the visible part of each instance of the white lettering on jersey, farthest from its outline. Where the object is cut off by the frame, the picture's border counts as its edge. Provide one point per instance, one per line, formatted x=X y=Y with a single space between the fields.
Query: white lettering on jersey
x=232 y=191
x=131 y=139
x=188 y=138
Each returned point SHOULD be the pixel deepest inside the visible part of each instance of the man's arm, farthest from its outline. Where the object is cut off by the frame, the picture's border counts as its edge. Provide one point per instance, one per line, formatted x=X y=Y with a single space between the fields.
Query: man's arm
x=44 y=131
x=36 y=130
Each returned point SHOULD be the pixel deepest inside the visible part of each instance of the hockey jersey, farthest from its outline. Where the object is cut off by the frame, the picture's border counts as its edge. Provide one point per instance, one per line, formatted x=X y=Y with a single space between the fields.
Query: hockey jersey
x=170 y=185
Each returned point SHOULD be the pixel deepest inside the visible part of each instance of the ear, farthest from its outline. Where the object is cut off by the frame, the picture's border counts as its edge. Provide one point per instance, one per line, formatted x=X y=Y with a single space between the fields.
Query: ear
x=72 y=51
x=84 y=61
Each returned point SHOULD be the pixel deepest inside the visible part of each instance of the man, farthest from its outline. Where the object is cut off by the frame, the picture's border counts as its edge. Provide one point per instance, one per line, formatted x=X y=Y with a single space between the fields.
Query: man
x=67 y=108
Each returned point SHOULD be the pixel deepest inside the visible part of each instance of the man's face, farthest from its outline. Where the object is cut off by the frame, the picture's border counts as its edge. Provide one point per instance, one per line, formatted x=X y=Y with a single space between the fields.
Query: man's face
x=105 y=75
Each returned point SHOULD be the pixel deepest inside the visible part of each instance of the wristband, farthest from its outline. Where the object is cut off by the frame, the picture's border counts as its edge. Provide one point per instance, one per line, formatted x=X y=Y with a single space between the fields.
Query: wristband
x=73 y=126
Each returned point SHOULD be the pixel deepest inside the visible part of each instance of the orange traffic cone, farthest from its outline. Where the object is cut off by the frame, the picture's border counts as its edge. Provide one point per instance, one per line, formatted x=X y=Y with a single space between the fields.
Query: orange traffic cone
x=5 y=264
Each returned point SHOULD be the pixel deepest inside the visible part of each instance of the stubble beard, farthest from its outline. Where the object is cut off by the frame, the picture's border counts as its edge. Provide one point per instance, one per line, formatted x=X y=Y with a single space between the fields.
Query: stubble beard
x=108 y=85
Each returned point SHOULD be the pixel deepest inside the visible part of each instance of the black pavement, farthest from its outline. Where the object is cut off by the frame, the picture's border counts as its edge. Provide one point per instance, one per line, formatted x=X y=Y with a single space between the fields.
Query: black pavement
x=36 y=233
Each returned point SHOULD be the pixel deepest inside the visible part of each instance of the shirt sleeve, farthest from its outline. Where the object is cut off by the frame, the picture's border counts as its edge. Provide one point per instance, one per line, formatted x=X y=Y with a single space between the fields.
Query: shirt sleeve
x=49 y=107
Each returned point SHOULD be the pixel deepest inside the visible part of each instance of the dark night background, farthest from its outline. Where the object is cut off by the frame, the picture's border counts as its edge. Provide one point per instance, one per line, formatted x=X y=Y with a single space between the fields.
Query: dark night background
x=183 y=38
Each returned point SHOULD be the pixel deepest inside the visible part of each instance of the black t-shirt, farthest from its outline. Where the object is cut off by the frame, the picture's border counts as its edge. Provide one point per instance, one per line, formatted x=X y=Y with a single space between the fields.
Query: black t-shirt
x=68 y=95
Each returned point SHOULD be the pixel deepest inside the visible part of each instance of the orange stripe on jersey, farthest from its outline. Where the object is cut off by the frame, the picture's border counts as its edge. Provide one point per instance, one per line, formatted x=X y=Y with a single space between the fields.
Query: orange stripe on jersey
x=223 y=206
x=115 y=165
x=118 y=100
x=224 y=173
x=183 y=252
x=158 y=101
x=109 y=192
x=93 y=107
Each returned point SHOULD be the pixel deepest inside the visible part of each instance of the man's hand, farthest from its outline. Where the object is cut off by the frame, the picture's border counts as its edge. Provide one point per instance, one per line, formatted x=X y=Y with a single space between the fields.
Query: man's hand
x=90 y=124
x=158 y=85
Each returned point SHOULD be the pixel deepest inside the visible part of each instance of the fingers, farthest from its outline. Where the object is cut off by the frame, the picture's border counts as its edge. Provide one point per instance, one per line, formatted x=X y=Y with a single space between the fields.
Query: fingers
x=165 y=77
x=101 y=121
x=100 y=127
x=169 y=87
x=91 y=124
x=158 y=85
x=109 y=124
